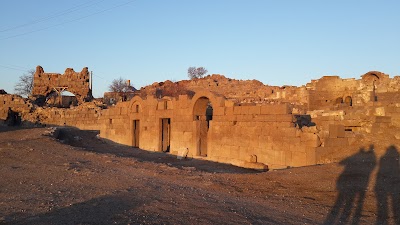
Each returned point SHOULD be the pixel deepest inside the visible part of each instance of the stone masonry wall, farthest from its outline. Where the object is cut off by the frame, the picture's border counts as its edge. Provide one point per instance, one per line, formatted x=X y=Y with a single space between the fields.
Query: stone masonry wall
x=85 y=116
x=15 y=103
x=249 y=136
x=74 y=82
x=264 y=134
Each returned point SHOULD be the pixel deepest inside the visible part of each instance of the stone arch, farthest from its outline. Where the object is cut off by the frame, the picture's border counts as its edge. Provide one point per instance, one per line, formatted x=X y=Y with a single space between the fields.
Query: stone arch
x=215 y=100
x=348 y=101
x=78 y=95
x=374 y=77
x=165 y=103
x=202 y=106
x=136 y=105
x=202 y=115
x=135 y=108
x=52 y=92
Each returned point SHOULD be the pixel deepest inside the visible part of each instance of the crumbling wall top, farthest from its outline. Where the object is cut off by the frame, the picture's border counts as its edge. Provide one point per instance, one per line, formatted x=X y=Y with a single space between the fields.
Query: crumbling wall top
x=77 y=83
x=374 y=76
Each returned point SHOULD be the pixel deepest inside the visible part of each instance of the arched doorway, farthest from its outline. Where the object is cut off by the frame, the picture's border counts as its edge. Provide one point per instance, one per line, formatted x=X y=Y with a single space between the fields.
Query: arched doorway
x=348 y=101
x=135 y=110
x=203 y=113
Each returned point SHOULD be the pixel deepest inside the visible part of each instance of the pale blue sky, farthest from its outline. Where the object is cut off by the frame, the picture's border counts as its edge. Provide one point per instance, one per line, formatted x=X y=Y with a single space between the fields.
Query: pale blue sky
x=276 y=42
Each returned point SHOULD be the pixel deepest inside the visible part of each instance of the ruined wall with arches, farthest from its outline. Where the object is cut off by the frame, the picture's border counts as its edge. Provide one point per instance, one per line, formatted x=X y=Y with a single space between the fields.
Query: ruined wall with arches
x=77 y=83
x=333 y=92
x=210 y=127
x=341 y=114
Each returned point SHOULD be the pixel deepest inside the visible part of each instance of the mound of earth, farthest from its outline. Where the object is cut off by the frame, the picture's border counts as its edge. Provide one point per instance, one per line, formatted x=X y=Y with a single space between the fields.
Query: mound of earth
x=236 y=90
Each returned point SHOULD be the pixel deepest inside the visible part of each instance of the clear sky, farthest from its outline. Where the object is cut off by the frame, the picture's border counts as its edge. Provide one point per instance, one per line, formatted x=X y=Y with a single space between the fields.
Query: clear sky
x=276 y=42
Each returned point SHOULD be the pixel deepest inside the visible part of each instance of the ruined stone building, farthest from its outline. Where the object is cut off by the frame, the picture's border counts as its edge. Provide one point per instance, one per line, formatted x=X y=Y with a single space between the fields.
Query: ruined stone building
x=78 y=83
x=244 y=123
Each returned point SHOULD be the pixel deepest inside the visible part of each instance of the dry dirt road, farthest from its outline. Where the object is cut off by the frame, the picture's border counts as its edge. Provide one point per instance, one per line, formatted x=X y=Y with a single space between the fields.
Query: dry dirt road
x=78 y=179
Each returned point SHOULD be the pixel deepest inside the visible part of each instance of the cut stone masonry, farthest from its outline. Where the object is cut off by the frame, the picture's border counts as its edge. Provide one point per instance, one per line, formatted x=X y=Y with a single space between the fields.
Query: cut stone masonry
x=77 y=83
x=277 y=127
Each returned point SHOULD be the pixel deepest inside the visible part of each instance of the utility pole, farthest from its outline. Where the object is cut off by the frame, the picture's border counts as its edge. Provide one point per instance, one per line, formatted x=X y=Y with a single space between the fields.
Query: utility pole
x=91 y=81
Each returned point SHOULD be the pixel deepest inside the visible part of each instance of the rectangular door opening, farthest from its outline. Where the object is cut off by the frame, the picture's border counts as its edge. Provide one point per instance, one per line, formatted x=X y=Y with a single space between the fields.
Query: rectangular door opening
x=165 y=134
x=136 y=130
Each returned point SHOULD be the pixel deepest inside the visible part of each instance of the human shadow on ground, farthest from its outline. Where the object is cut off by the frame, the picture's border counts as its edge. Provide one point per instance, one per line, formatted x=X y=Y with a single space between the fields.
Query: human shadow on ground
x=88 y=141
x=153 y=204
x=102 y=210
x=387 y=187
x=352 y=185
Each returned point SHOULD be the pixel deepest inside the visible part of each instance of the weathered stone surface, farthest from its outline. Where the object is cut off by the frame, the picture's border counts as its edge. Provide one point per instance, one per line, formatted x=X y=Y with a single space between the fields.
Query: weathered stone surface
x=77 y=83
x=245 y=123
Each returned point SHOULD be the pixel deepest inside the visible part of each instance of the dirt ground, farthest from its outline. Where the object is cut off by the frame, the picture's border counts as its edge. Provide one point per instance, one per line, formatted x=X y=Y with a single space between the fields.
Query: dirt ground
x=79 y=179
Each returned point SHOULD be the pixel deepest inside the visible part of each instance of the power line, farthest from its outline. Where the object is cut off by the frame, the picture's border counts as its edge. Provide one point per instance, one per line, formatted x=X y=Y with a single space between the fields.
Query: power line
x=70 y=21
x=22 y=67
x=101 y=77
x=15 y=68
x=55 y=15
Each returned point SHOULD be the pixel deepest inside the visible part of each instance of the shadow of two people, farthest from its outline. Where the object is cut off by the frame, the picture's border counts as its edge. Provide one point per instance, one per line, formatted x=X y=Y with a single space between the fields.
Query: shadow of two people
x=352 y=185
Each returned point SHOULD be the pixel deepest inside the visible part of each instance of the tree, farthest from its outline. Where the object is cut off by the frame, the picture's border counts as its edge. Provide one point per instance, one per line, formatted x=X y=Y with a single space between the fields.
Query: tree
x=119 y=85
x=195 y=73
x=25 y=84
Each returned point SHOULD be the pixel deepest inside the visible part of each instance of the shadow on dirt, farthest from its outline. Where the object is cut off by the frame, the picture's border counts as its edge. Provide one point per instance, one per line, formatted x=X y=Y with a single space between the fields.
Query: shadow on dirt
x=387 y=188
x=132 y=207
x=102 y=210
x=352 y=186
x=88 y=141
x=5 y=128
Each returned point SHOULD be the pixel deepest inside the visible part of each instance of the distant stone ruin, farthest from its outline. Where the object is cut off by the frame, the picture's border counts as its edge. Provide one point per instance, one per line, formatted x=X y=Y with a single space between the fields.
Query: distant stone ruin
x=53 y=84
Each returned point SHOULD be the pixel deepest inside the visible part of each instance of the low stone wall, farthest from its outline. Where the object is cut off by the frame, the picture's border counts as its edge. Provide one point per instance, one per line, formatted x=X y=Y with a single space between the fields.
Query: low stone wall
x=15 y=103
x=263 y=134
x=85 y=116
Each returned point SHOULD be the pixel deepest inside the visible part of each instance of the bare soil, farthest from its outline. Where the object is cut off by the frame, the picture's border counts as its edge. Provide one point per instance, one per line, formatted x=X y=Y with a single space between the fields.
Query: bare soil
x=77 y=178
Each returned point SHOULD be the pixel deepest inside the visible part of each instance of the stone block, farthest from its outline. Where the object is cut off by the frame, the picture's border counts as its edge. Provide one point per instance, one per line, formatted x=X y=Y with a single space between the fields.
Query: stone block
x=312 y=143
x=265 y=118
x=288 y=158
x=308 y=137
x=311 y=156
x=229 y=103
x=229 y=111
x=284 y=118
x=297 y=148
x=383 y=119
x=351 y=123
x=245 y=118
x=279 y=157
x=237 y=110
x=292 y=140
x=335 y=142
x=275 y=109
x=299 y=159
x=287 y=131
x=254 y=110
x=234 y=152
x=218 y=111
x=266 y=110
x=336 y=131
x=379 y=111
